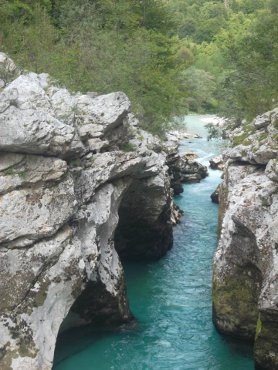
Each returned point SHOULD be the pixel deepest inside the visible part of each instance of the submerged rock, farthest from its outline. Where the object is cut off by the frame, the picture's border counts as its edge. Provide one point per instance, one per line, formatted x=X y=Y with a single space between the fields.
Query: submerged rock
x=245 y=265
x=79 y=183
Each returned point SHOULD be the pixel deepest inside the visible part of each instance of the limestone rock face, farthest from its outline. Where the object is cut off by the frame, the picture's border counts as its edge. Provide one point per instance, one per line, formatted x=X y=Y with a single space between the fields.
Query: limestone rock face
x=76 y=176
x=245 y=265
x=257 y=141
x=28 y=123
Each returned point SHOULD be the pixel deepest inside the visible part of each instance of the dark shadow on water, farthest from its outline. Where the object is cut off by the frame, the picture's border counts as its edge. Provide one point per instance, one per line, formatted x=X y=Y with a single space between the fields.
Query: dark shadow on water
x=78 y=339
x=239 y=346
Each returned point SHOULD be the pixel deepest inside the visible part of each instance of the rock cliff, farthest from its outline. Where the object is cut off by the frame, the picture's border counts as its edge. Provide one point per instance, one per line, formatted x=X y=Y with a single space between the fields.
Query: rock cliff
x=80 y=185
x=245 y=278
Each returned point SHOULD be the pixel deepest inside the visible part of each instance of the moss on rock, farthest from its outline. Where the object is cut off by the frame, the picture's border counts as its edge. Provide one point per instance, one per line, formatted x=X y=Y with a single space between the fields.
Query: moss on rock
x=243 y=138
x=266 y=344
x=258 y=327
x=235 y=302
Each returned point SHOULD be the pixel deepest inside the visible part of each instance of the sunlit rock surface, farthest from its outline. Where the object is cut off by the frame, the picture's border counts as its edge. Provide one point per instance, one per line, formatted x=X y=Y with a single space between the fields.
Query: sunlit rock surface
x=75 y=170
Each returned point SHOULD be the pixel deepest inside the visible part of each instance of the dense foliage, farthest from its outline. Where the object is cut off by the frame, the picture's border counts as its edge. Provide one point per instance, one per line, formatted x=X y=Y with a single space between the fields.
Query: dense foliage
x=235 y=45
x=169 y=56
x=103 y=46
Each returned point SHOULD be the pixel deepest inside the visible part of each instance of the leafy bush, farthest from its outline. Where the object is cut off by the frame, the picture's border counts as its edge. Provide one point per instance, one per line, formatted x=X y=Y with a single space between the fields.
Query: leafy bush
x=128 y=147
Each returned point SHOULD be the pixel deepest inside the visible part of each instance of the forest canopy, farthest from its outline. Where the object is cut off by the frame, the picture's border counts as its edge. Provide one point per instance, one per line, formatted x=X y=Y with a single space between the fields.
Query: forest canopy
x=168 y=56
x=236 y=43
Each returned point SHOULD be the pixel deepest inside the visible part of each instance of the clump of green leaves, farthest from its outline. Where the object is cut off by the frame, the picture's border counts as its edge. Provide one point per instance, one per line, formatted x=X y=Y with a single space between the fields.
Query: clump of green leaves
x=214 y=131
x=128 y=147
x=237 y=46
x=243 y=138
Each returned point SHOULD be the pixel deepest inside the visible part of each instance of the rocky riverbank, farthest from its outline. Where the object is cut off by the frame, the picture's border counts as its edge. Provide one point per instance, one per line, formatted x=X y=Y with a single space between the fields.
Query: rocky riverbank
x=245 y=278
x=80 y=185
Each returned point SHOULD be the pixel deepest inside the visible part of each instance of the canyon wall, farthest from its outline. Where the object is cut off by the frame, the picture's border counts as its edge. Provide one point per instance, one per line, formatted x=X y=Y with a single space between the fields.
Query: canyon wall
x=245 y=278
x=80 y=184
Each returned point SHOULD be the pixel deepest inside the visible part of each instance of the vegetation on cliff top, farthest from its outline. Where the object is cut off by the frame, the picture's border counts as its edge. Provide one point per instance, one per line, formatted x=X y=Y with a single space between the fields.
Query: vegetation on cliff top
x=169 y=56
x=103 y=46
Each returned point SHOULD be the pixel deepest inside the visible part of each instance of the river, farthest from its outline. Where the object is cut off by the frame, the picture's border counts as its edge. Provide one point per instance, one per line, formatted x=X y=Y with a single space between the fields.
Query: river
x=171 y=299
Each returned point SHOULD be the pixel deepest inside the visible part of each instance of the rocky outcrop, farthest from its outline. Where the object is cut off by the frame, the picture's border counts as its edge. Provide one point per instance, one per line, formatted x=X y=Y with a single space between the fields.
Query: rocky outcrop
x=79 y=183
x=192 y=170
x=245 y=278
x=215 y=195
x=216 y=163
x=183 y=168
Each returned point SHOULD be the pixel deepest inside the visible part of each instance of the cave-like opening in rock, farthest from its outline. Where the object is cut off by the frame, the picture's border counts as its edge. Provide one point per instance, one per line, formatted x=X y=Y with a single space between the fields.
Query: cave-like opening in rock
x=94 y=312
x=139 y=228
x=144 y=231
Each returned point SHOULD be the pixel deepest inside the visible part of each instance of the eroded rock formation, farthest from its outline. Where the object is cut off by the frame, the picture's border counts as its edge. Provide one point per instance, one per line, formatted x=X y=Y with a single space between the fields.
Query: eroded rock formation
x=216 y=163
x=70 y=166
x=245 y=279
x=183 y=168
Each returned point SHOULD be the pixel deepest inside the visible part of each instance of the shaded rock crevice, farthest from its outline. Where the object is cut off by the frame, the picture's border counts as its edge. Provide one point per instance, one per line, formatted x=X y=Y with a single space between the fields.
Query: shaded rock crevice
x=145 y=232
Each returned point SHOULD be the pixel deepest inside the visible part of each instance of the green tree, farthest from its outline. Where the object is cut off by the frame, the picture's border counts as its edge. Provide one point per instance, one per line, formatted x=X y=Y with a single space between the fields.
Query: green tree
x=250 y=46
x=103 y=46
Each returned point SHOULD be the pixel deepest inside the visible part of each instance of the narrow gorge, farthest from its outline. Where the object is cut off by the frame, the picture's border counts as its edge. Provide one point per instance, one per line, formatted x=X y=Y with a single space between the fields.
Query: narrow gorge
x=86 y=214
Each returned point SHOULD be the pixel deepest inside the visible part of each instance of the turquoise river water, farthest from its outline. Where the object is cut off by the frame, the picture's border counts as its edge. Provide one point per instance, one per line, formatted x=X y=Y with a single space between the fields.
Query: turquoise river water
x=171 y=298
